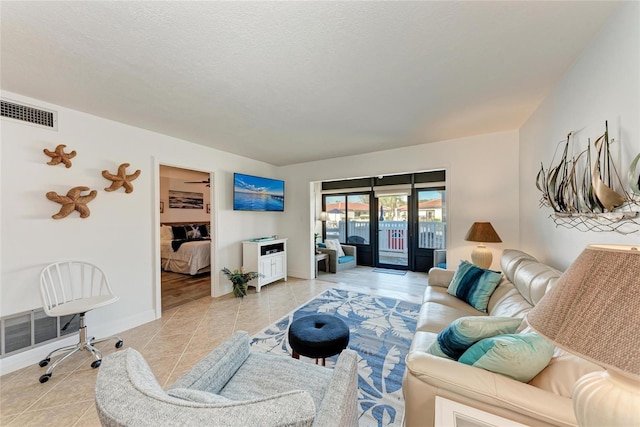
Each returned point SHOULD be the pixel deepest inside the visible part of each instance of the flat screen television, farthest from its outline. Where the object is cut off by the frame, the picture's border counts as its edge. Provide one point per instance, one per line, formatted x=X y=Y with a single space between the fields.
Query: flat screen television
x=254 y=193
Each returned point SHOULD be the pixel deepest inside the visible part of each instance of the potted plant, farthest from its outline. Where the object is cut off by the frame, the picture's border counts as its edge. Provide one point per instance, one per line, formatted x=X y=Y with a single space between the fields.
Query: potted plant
x=316 y=236
x=240 y=279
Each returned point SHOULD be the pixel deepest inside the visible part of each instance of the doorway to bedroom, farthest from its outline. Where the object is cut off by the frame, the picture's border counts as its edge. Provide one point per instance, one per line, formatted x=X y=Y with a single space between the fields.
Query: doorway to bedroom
x=185 y=235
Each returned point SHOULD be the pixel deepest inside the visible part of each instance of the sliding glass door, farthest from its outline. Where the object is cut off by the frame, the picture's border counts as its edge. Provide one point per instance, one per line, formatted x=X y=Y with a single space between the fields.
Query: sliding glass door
x=393 y=231
x=395 y=221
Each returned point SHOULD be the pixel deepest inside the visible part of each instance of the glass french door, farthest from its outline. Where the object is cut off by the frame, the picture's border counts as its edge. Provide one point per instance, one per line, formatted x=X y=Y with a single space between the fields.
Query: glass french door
x=393 y=231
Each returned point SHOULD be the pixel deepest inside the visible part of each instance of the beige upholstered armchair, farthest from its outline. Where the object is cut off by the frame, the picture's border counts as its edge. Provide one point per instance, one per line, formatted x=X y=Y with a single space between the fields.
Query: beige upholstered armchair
x=338 y=262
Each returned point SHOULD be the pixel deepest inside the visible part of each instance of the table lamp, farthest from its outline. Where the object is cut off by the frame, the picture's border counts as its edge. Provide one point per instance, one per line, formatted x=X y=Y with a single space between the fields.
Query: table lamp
x=593 y=311
x=482 y=232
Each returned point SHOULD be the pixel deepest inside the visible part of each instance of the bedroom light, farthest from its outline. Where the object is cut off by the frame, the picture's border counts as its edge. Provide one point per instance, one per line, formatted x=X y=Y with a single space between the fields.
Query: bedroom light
x=592 y=311
x=482 y=232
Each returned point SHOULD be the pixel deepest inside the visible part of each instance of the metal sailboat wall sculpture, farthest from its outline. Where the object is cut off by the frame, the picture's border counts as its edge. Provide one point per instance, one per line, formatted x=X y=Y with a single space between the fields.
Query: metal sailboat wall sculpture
x=578 y=190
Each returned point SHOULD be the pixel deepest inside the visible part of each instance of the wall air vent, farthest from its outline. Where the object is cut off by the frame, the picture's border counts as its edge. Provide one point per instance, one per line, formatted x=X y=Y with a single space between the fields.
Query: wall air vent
x=29 y=114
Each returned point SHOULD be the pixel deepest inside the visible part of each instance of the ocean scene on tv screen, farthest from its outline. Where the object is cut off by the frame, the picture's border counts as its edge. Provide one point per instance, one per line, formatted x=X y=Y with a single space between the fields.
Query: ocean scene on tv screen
x=252 y=193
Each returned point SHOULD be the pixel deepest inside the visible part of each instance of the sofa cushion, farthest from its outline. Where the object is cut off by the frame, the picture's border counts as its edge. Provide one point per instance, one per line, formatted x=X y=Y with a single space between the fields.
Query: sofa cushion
x=519 y=356
x=562 y=373
x=335 y=245
x=506 y=301
x=434 y=317
x=462 y=333
x=474 y=285
x=345 y=259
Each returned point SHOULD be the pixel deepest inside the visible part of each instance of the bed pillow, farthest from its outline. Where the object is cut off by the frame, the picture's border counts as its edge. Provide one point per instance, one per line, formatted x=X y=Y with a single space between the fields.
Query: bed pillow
x=462 y=333
x=193 y=232
x=179 y=232
x=474 y=285
x=166 y=233
x=204 y=230
x=518 y=356
x=335 y=245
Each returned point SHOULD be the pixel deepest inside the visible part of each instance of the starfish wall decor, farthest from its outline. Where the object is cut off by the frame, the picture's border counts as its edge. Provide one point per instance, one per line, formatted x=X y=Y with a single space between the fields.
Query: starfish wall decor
x=73 y=201
x=59 y=156
x=121 y=179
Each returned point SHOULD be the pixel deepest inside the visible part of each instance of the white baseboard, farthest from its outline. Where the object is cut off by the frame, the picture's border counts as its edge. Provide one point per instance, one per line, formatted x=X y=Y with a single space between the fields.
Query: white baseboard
x=33 y=356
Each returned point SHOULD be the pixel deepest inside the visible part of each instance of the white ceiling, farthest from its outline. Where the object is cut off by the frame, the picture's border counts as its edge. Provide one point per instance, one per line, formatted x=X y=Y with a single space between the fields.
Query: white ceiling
x=289 y=82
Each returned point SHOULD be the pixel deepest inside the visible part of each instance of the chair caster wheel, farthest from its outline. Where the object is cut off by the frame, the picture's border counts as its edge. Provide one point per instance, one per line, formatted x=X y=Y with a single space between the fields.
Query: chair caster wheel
x=43 y=363
x=96 y=364
x=119 y=344
x=44 y=378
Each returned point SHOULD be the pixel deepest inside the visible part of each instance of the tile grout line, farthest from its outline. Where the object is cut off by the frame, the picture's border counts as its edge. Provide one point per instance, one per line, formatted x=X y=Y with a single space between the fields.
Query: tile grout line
x=184 y=349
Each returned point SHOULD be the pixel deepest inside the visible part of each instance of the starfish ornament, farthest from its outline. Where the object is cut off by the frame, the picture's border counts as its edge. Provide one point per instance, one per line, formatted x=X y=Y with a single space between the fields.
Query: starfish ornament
x=59 y=156
x=121 y=179
x=73 y=201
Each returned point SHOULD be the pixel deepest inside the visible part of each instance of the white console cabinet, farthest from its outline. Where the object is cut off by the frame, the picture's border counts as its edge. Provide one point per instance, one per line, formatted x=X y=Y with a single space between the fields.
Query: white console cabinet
x=267 y=257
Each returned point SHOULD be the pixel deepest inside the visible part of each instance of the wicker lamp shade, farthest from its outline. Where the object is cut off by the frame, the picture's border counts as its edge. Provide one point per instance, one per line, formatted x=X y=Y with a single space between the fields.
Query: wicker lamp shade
x=593 y=311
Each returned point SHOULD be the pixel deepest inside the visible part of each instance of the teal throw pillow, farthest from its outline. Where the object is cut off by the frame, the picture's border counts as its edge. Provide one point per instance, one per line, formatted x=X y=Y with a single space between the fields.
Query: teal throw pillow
x=519 y=356
x=474 y=285
x=462 y=333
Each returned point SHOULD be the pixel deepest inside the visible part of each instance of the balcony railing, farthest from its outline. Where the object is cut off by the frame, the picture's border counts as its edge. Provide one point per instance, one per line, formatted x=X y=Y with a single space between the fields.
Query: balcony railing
x=392 y=235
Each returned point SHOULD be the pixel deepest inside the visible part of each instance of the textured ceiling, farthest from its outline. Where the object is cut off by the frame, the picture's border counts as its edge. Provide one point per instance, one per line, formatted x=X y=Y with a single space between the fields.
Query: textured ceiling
x=289 y=82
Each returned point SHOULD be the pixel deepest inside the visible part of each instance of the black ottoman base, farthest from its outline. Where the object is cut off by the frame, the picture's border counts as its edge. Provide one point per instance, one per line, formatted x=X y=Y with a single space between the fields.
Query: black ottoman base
x=318 y=336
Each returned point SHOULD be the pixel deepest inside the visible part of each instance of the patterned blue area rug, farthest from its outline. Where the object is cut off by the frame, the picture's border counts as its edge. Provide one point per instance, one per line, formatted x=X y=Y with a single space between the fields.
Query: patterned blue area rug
x=380 y=330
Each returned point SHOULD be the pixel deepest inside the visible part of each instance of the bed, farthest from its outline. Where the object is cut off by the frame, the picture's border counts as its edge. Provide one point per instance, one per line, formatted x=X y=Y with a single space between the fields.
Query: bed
x=187 y=252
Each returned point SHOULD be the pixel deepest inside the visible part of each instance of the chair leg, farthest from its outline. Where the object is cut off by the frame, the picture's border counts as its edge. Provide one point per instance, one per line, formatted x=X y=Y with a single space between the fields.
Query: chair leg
x=84 y=344
x=76 y=349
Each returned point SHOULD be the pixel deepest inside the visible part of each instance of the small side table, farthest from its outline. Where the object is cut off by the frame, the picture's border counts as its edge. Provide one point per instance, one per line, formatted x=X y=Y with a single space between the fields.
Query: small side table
x=325 y=258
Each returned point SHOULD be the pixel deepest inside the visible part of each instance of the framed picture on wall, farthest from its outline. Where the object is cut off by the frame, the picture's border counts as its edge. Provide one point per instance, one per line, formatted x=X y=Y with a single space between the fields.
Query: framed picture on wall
x=185 y=200
x=161 y=207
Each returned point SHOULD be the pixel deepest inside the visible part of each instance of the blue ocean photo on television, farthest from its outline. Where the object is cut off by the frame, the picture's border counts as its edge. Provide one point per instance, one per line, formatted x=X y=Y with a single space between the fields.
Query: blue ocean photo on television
x=253 y=193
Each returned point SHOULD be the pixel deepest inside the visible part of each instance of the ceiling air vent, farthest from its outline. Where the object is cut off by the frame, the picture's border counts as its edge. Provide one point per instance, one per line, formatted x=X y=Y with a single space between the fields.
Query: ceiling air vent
x=28 y=114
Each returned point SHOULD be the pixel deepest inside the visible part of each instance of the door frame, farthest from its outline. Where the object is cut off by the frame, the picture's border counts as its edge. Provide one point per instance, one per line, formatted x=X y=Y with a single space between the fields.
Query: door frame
x=156 y=264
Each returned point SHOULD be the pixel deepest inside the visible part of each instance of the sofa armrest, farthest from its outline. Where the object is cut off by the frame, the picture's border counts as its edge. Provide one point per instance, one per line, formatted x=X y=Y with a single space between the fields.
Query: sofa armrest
x=333 y=258
x=478 y=385
x=350 y=250
x=217 y=368
x=339 y=407
x=440 y=277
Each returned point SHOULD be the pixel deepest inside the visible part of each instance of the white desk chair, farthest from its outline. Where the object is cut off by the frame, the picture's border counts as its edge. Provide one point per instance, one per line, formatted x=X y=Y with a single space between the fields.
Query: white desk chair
x=74 y=288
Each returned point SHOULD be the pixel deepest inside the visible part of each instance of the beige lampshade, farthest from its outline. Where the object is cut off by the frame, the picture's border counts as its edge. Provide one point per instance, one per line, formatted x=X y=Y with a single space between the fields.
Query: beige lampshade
x=322 y=216
x=593 y=310
x=482 y=232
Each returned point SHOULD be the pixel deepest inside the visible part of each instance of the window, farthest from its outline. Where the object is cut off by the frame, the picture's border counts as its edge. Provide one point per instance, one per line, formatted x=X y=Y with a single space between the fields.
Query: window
x=348 y=218
x=431 y=219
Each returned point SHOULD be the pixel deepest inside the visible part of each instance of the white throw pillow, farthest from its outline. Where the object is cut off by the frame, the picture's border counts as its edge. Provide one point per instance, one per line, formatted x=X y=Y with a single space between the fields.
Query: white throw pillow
x=335 y=245
x=166 y=233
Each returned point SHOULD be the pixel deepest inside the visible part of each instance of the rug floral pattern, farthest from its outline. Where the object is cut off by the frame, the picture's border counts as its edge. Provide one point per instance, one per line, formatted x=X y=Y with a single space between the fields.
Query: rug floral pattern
x=380 y=330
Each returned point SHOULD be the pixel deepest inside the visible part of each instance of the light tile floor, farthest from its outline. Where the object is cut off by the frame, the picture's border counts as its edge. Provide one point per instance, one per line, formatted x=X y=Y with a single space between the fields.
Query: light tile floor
x=174 y=343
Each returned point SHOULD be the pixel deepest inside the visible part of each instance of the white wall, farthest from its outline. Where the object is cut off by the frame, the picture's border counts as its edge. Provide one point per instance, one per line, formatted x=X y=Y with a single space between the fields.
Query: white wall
x=121 y=233
x=603 y=84
x=482 y=185
x=178 y=179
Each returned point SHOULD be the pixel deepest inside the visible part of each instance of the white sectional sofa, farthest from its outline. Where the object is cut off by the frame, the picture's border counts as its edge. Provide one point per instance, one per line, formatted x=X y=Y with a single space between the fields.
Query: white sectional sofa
x=544 y=401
